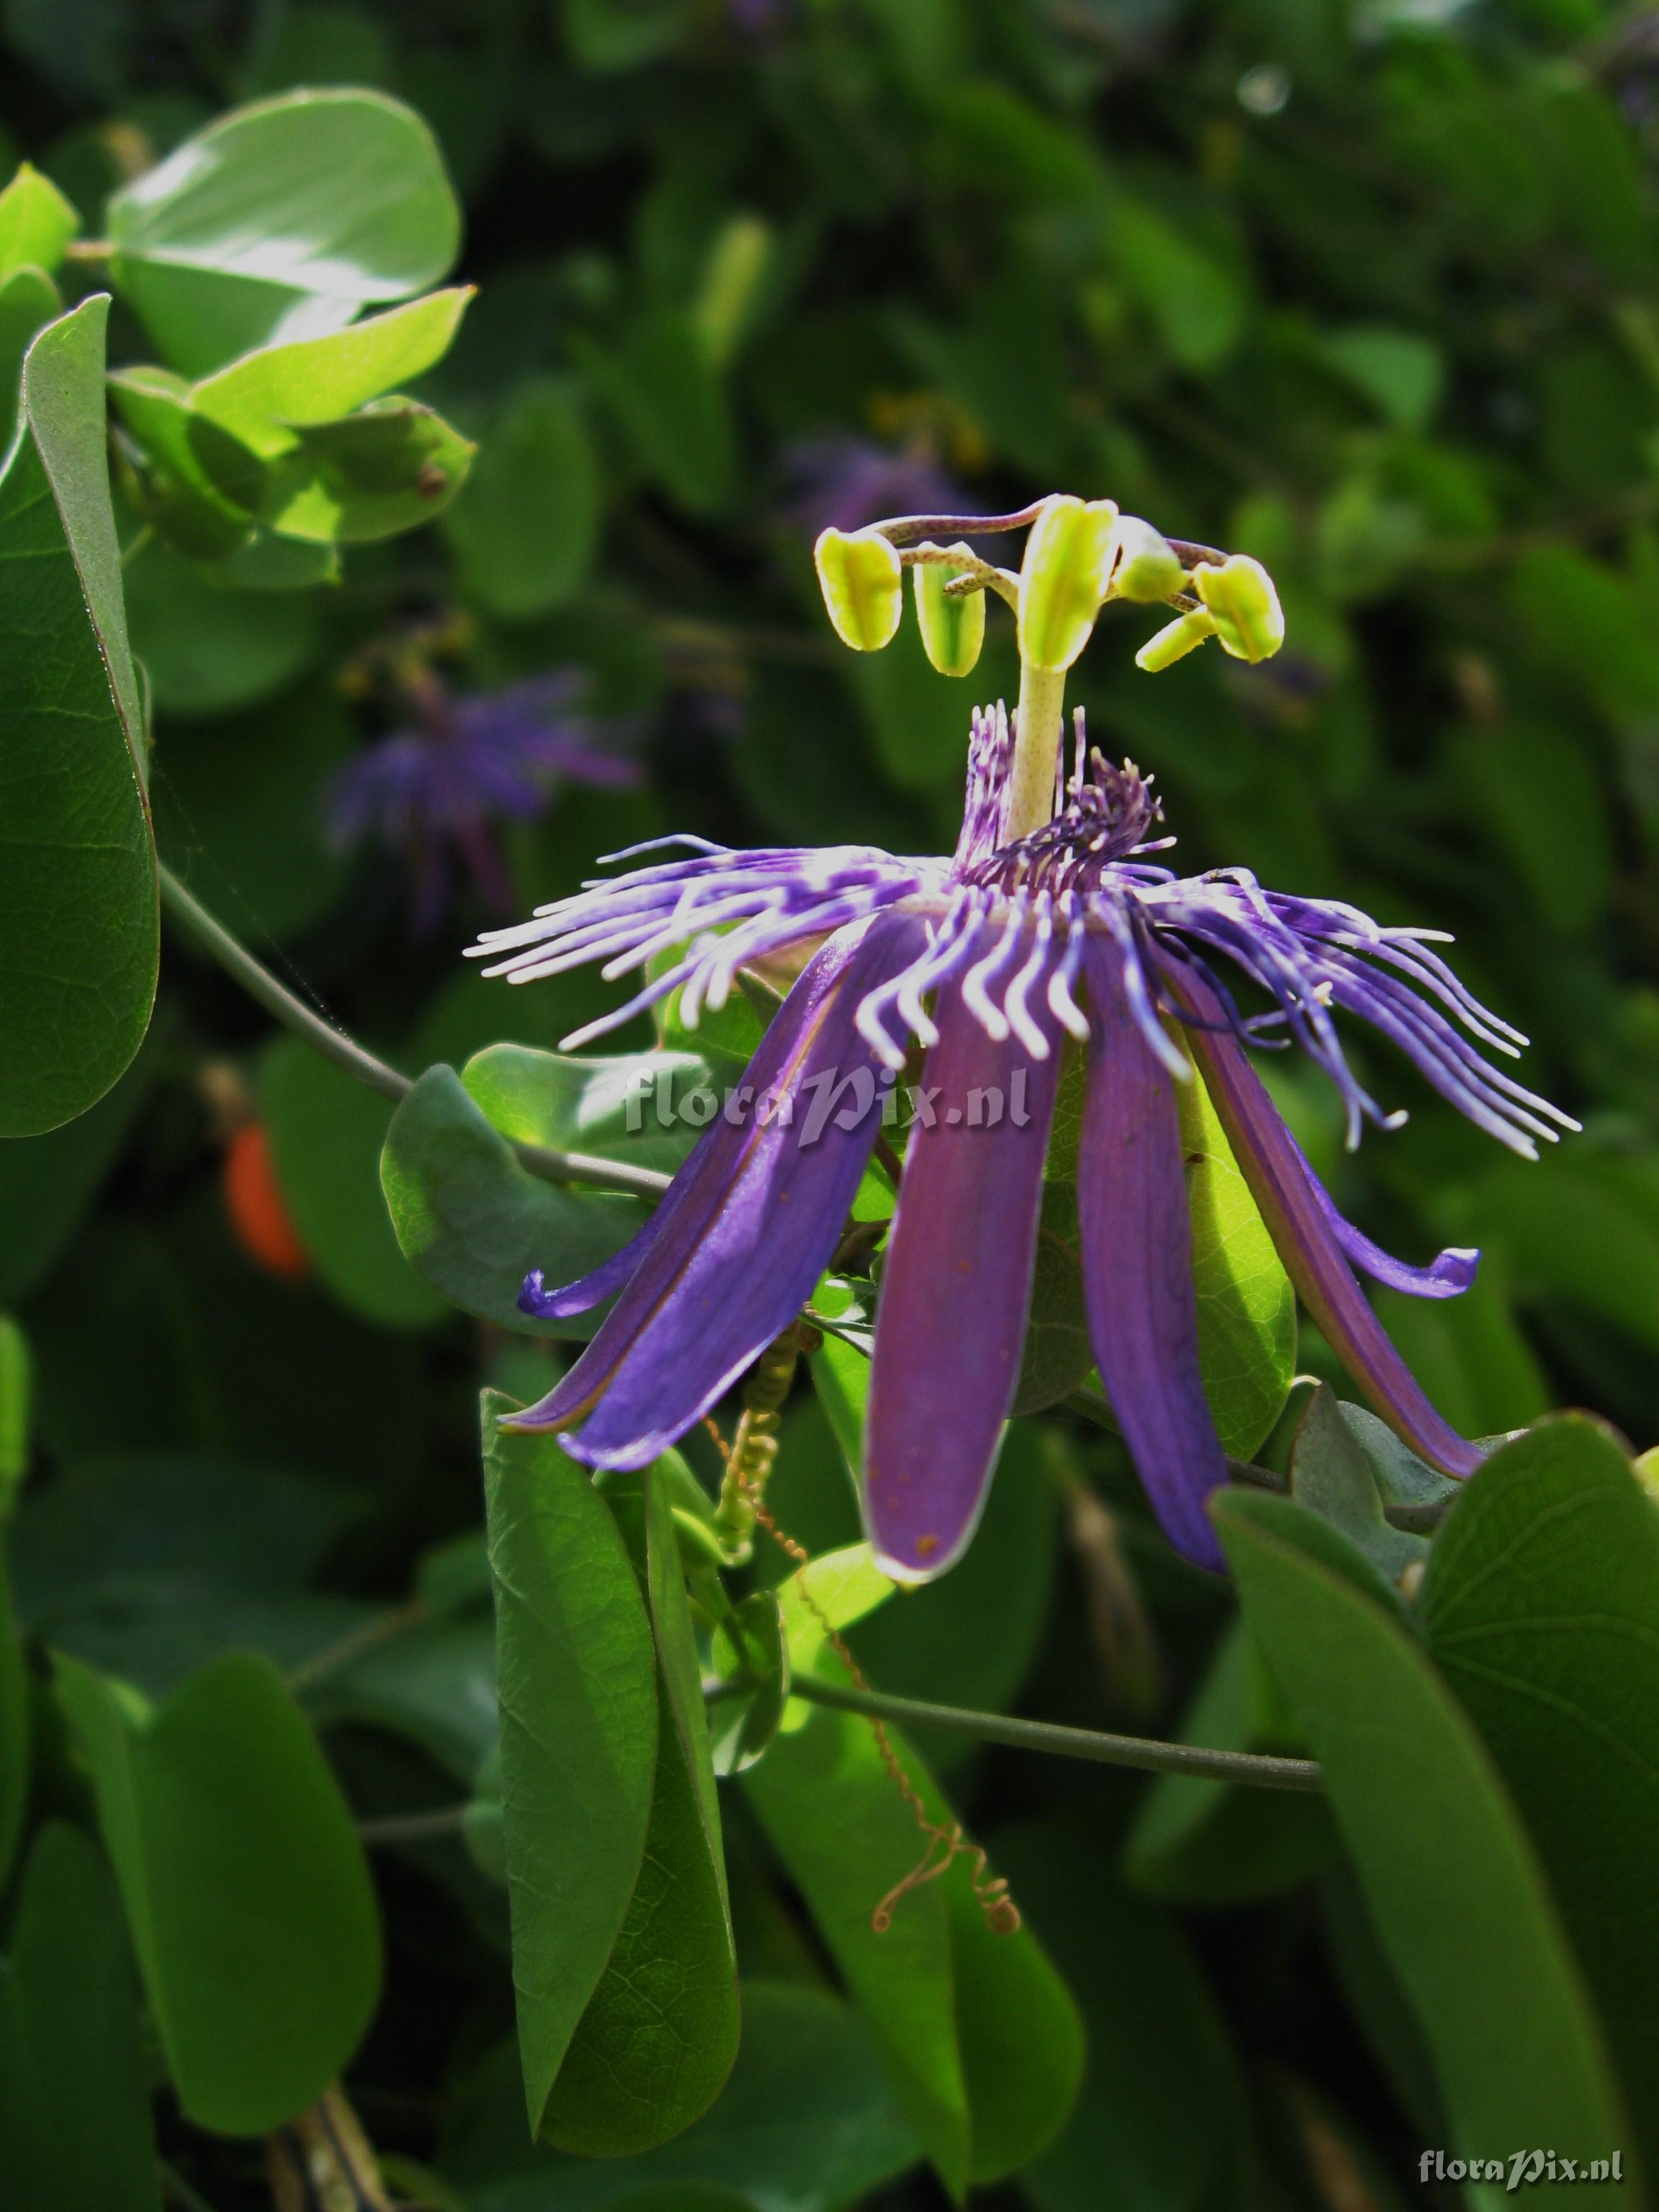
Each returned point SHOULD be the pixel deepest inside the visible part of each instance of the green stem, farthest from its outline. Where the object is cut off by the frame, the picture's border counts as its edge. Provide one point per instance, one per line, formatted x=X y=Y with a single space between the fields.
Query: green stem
x=1146 y=1753
x=414 y=1827
x=346 y=1052
x=1036 y=743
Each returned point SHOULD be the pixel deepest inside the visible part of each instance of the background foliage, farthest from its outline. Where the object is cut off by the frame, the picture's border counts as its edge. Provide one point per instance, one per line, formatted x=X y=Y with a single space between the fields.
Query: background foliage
x=1369 y=291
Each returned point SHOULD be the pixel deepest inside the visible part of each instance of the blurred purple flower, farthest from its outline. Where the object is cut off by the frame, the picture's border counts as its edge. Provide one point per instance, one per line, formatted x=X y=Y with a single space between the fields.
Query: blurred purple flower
x=755 y=17
x=842 y=482
x=438 y=789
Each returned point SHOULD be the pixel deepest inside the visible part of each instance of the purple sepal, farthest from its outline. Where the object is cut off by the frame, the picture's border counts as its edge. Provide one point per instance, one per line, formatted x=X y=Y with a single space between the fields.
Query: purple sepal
x=956 y=1290
x=1137 y=1267
x=1286 y=1191
x=753 y=1221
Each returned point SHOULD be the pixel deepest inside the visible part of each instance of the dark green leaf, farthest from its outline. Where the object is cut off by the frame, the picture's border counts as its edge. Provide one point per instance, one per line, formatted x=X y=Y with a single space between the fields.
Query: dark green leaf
x=749 y=1647
x=327 y=1132
x=244 y=1887
x=75 y=2123
x=47 y=1182
x=1202 y=1842
x=473 y=1223
x=659 y=2036
x=1331 y=1475
x=621 y=34
x=1541 y=1606
x=77 y=865
x=1162 y=2102
x=806 y=2120
x=526 y=520
x=15 y=1730
x=577 y=1670
x=283 y=219
x=1058 y=1356
x=979 y=2040
x=663 y=387
x=1451 y=1879
x=207 y=650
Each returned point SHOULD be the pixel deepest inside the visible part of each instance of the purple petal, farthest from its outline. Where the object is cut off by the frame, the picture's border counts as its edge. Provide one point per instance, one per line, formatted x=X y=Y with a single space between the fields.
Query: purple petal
x=1138 y=1271
x=1448 y=1275
x=956 y=1291
x=744 y=1246
x=1285 y=1188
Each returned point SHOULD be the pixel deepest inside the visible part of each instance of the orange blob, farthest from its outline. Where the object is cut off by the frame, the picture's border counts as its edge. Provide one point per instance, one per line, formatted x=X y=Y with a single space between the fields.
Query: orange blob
x=253 y=1200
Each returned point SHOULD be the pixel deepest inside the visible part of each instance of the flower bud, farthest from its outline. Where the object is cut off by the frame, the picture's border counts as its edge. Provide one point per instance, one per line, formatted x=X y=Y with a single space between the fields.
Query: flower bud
x=1240 y=595
x=1148 y=568
x=1062 y=579
x=1176 y=640
x=863 y=586
x=952 y=624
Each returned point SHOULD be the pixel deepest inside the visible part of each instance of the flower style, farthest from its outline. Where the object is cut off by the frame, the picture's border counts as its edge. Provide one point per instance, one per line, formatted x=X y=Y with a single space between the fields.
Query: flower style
x=437 y=789
x=1053 y=927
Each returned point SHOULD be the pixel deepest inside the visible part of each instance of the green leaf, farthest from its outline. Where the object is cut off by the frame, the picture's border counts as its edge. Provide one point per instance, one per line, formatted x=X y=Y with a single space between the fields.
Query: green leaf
x=980 y=2040
x=625 y=1106
x=473 y=1223
x=243 y=799
x=263 y=399
x=1400 y=374
x=36 y=223
x=1246 y=1305
x=15 y=1729
x=1196 y=304
x=970 y=1638
x=526 y=522
x=1058 y=1355
x=658 y=2038
x=327 y=1132
x=281 y=220
x=1452 y=1879
x=1202 y=1842
x=48 y=1183
x=664 y=391
x=577 y=1672
x=79 y=953
x=147 y=1565
x=16 y=1411
x=245 y=1886
x=1539 y=1606
x=200 y=486
x=1331 y=1475
x=393 y=467
x=622 y=35
x=806 y=2120
x=209 y=651
x=750 y=1645
x=1162 y=2104
x=75 y=2122
x=28 y=301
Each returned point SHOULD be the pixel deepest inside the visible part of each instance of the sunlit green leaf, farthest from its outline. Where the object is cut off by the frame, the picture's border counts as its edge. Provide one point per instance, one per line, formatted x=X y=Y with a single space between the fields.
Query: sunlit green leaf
x=36 y=223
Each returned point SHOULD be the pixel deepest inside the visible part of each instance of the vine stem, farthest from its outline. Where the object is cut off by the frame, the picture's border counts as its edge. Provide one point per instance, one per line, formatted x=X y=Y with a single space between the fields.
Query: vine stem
x=1149 y=1754
x=257 y=980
